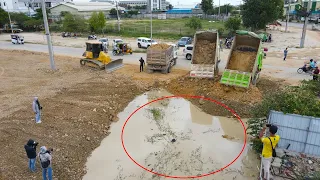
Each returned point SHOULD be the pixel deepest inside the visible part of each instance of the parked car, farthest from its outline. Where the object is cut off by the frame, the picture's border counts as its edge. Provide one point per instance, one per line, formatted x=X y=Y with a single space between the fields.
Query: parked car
x=143 y=42
x=187 y=51
x=184 y=41
x=116 y=41
x=90 y=37
x=104 y=41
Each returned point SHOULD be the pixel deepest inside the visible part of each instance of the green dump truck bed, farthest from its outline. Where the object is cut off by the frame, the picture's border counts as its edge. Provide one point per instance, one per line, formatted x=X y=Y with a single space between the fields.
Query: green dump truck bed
x=244 y=62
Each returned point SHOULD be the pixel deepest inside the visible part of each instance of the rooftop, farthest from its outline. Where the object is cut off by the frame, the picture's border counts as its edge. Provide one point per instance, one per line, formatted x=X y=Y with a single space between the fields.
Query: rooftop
x=90 y=6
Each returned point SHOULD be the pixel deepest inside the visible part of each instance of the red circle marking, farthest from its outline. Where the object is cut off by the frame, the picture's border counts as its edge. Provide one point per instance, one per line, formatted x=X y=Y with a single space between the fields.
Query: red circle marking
x=193 y=97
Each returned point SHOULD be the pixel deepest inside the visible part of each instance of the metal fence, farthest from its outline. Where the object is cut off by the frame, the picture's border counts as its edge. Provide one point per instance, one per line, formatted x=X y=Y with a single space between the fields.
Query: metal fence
x=299 y=133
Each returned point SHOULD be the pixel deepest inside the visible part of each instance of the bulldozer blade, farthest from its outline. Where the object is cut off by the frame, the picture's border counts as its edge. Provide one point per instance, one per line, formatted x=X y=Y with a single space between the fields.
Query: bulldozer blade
x=114 y=65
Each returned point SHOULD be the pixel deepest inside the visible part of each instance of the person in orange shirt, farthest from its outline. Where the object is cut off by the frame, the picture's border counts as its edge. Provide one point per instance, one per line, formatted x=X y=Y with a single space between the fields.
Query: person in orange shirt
x=269 y=144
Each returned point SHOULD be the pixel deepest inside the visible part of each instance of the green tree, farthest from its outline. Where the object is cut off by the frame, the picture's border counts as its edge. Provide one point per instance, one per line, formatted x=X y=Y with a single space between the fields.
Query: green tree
x=97 y=22
x=256 y=14
x=194 y=23
x=73 y=23
x=207 y=6
x=132 y=12
x=225 y=9
x=4 y=19
x=19 y=18
x=39 y=14
x=232 y=24
x=113 y=11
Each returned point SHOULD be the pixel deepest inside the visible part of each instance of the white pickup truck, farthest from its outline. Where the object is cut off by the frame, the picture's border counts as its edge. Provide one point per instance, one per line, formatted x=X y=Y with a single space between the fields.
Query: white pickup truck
x=143 y=42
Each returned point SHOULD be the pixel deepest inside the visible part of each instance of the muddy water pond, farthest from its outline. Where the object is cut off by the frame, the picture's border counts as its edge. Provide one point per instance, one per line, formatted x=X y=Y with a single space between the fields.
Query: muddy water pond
x=171 y=137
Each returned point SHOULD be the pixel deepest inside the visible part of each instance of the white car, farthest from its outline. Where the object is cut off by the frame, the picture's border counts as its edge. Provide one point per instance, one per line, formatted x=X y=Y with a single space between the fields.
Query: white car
x=143 y=42
x=116 y=41
x=187 y=51
x=104 y=41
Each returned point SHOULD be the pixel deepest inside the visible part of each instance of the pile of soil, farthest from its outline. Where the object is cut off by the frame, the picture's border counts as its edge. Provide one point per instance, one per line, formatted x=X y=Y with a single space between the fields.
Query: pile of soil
x=242 y=61
x=160 y=46
x=239 y=99
x=204 y=52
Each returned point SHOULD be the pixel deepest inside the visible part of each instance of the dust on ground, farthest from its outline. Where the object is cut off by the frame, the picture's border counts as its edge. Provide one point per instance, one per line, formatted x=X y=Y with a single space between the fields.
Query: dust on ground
x=242 y=61
x=79 y=105
x=204 y=52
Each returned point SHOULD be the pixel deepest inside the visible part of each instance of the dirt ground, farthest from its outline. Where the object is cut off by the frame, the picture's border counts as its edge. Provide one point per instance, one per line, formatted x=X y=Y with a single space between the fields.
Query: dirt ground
x=80 y=104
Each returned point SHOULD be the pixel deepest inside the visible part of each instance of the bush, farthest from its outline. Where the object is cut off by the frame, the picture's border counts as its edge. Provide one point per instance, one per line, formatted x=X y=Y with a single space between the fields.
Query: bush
x=194 y=23
x=233 y=24
x=301 y=100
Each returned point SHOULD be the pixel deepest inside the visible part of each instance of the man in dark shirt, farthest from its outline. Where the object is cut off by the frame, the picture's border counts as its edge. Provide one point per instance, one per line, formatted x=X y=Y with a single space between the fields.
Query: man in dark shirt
x=316 y=73
x=141 y=64
x=30 y=148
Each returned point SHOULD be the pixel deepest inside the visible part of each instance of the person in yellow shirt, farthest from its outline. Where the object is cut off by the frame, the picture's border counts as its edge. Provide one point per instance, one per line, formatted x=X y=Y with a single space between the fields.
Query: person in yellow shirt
x=269 y=143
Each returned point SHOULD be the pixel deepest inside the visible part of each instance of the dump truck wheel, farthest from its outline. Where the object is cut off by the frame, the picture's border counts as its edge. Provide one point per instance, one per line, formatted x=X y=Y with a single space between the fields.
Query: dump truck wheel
x=130 y=52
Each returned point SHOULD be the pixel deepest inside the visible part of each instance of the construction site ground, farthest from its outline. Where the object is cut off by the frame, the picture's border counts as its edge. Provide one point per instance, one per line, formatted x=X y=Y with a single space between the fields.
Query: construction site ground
x=70 y=96
x=79 y=104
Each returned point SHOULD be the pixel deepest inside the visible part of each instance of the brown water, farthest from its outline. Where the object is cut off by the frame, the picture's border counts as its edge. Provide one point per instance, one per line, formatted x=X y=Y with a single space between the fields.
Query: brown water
x=171 y=137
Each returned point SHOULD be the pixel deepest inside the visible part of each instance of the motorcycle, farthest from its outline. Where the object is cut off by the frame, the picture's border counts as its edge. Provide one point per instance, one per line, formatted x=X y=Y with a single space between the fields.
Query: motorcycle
x=117 y=52
x=228 y=44
x=304 y=69
x=90 y=37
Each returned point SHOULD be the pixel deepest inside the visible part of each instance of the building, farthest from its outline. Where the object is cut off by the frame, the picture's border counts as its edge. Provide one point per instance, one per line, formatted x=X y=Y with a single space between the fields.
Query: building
x=290 y=5
x=82 y=9
x=133 y=3
x=27 y=6
x=156 y=5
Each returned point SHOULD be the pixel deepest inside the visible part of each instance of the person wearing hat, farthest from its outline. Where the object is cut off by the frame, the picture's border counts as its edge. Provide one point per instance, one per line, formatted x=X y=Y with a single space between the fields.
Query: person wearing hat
x=37 y=109
x=46 y=162
x=269 y=144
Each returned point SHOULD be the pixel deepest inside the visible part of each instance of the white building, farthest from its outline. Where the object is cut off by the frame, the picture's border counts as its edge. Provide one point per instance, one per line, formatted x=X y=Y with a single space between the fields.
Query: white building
x=156 y=5
x=82 y=9
x=27 y=6
x=133 y=2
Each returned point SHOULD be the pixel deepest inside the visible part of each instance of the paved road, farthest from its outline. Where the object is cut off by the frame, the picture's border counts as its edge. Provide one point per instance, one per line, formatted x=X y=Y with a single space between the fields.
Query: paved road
x=182 y=63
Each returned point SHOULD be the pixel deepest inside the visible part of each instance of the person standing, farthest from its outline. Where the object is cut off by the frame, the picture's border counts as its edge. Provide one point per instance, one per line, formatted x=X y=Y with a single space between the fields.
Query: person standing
x=285 y=53
x=31 y=150
x=141 y=64
x=221 y=47
x=46 y=163
x=316 y=74
x=269 y=144
x=37 y=109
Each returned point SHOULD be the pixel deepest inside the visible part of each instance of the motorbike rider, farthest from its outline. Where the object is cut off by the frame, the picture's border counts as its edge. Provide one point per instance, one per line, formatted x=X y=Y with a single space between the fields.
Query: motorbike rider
x=312 y=64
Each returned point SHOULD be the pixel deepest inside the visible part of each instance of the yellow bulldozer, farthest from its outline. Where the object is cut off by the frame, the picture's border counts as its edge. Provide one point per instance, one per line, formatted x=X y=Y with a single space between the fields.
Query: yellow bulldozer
x=96 y=58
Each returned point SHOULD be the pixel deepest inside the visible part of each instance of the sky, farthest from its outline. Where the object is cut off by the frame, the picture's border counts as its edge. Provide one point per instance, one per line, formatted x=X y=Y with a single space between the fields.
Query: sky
x=190 y=3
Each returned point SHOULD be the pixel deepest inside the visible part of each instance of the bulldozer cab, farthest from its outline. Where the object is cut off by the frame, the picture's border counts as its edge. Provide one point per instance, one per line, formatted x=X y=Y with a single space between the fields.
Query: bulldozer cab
x=95 y=48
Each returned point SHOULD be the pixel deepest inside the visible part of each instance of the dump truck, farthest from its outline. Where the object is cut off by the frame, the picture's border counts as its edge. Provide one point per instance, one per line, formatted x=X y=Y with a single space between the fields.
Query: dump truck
x=206 y=54
x=161 y=57
x=245 y=60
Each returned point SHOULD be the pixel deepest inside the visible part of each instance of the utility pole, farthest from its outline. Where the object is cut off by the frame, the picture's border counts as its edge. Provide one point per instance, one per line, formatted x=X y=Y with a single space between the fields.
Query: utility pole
x=46 y=26
x=288 y=12
x=151 y=5
x=304 y=31
x=10 y=20
x=219 y=9
x=118 y=16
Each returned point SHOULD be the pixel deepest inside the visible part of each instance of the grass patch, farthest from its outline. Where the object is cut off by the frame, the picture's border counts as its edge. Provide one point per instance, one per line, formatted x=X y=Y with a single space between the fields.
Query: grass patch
x=157 y=113
x=163 y=29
